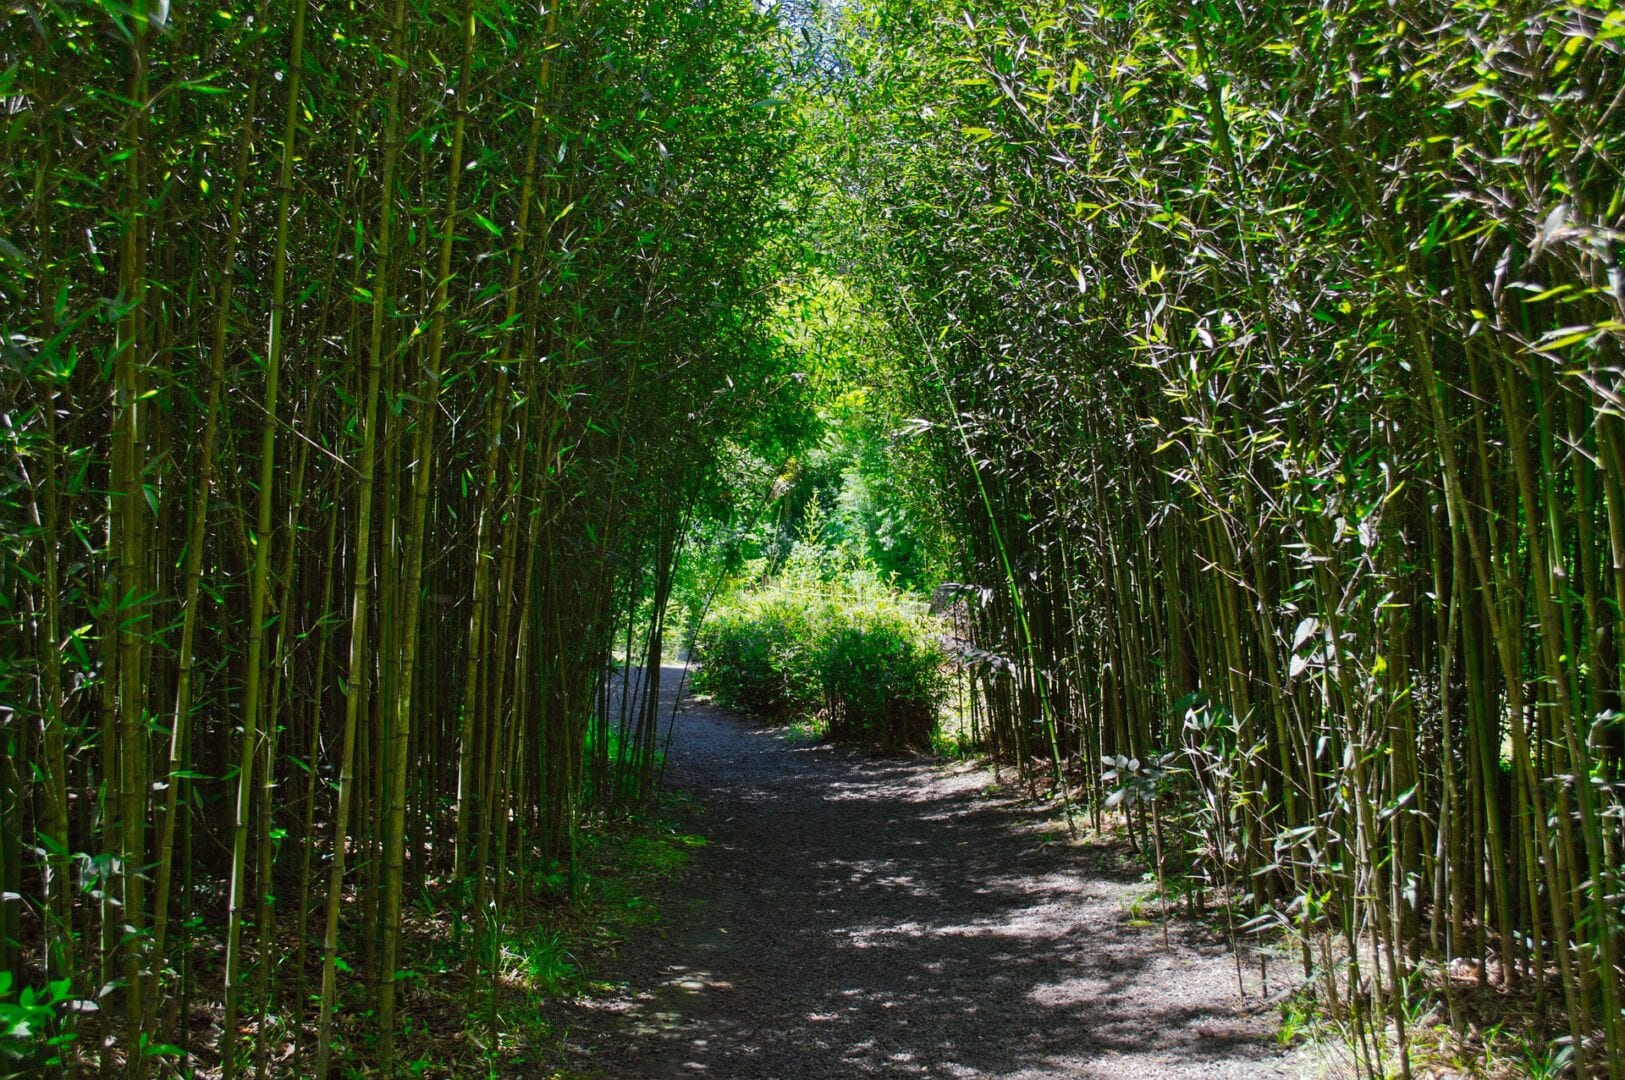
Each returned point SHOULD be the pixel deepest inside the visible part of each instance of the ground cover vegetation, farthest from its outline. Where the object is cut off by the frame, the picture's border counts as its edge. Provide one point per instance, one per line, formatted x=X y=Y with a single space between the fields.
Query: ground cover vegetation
x=389 y=388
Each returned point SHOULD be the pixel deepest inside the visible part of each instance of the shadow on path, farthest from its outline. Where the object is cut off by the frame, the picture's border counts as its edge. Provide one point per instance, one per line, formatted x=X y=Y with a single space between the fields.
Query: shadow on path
x=859 y=917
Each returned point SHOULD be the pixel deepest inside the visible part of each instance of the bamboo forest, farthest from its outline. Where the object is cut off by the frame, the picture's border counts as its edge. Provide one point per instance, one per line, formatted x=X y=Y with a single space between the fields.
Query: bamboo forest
x=621 y=538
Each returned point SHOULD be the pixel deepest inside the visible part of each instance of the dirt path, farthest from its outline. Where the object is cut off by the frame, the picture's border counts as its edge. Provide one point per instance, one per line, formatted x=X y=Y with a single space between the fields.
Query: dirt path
x=859 y=917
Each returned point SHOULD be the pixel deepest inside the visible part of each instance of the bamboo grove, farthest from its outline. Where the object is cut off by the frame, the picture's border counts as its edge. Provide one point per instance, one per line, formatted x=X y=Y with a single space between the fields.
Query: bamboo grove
x=362 y=365
x=366 y=366
x=1272 y=358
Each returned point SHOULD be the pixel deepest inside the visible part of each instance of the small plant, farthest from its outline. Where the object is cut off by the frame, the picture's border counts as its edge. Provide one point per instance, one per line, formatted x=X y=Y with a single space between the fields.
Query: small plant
x=545 y=959
x=1143 y=783
x=29 y=1036
x=1297 y=1018
x=950 y=744
x=1547 y=1062
x=660 y=855
x=805 y=729
x=1137 y=781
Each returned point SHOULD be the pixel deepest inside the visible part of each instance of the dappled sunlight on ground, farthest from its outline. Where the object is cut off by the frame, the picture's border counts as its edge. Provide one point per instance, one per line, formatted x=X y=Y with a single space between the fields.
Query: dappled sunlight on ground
x=861 y=917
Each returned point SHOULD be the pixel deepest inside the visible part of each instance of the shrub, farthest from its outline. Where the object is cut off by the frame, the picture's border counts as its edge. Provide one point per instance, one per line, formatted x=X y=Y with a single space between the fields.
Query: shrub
x=853 y=652
x=882 y=678
x=760 y=654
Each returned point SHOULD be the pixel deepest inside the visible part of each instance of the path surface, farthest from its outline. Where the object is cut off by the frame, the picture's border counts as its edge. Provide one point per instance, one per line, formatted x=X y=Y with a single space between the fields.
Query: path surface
x=860 y=917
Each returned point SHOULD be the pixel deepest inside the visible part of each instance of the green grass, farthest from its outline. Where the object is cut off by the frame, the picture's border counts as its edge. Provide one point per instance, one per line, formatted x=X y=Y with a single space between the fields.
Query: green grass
x=623 y=865
x=546 y=960
x=558 y=950
x=624 y=872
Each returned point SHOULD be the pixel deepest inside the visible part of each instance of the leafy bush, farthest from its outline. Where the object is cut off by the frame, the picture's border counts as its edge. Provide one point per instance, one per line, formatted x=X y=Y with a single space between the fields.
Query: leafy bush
x=761 y=654
x=882 y=677
x=859 y=655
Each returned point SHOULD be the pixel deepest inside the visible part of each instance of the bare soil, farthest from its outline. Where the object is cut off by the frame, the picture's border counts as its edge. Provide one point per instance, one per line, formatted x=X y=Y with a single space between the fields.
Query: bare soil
x=855 y=916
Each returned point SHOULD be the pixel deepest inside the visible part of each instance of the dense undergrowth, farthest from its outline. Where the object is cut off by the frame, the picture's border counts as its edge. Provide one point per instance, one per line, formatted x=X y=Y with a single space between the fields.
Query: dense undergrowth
x=830 y=642
x=460 y=1021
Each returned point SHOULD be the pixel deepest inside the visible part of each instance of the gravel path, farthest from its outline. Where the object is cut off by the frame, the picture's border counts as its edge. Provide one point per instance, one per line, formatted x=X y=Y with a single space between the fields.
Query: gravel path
x=850 y=916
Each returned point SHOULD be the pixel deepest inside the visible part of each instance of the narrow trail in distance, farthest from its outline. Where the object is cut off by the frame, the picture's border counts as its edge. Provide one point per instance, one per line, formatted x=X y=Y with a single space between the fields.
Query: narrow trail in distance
x=852 y=916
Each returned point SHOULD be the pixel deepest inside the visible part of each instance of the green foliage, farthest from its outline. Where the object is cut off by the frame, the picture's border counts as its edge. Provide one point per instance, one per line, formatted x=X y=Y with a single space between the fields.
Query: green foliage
x=760 y=652
x=866 y=481
x=1267 y=357
x=832 y=641
x=607 y=742
x=31 y=1039
x=660 y=852
x=846 y=472
x=493 y=282
x=1256 y=368
x=852 y=487
x=881 y=670
x=545 y=958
